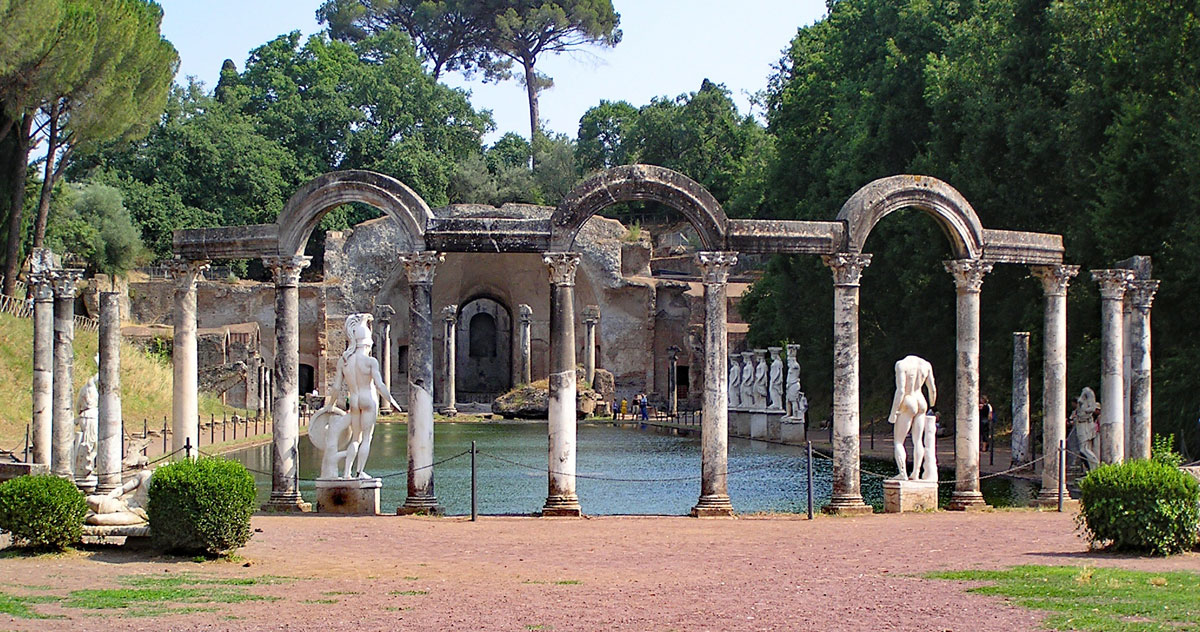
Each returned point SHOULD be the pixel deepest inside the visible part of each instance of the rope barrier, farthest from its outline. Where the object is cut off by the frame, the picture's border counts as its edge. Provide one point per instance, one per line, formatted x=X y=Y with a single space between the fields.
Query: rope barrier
x=948 y=482
x=400 y=473
x=608 y=478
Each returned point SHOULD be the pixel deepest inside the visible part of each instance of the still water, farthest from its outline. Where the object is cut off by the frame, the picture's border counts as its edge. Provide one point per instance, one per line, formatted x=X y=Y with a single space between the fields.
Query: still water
x=658 y=473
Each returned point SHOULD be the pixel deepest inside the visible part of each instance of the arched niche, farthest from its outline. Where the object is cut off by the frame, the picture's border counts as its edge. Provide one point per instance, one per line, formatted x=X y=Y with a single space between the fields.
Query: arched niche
x=941 y=201
x=484 y=343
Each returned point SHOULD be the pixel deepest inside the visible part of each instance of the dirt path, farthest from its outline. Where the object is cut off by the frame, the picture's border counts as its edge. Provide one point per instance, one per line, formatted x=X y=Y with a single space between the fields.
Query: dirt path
x=616 y=573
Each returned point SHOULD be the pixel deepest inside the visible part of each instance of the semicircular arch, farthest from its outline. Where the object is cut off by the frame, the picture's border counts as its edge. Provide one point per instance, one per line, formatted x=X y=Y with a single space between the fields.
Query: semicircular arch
x=934 y=197
x=639 y=182
x=309 y=204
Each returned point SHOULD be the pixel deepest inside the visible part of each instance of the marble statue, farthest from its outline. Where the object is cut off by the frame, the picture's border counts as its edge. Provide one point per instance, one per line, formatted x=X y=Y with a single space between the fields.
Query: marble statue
x=735 y=383
x=124 y=505
x=793 y=384
x=909 y=409
x=747 y=383
x=86 y=431
x=776 y=378
x=800 y=412
x=760 y=379
x=346 y=434
x=1087 y=431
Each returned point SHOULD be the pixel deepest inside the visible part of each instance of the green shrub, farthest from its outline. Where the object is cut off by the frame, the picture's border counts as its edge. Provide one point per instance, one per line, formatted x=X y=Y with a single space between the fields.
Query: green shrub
x=1141 y=505
x=42 y=511
x=201 y=506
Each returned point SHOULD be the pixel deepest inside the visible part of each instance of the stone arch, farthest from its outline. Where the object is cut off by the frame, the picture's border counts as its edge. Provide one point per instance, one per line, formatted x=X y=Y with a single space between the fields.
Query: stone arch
x=308 y=205
x=941 y=201
x=638 y=182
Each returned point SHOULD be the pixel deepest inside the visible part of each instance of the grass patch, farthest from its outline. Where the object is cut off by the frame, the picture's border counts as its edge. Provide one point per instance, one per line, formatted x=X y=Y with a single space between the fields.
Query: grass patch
x=320 y=601
x=334 y=593
x=18 y=607
x=117 y=598
x=1096 y=599
x=409 y=593
x=560 y=582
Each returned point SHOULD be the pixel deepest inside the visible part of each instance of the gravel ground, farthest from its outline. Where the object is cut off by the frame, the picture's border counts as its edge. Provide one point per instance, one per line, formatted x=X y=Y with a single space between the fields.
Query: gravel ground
x=612 y=573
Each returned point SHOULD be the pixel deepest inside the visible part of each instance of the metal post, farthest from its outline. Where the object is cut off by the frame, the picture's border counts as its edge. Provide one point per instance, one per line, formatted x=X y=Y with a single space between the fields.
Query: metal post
x=810 y=481
x=164 y=435
x=872 y=434
x=212 y=428
x=474 y=506
x=26 y=443
x=187 y=448
x=145 y=428
x=1062 y=472
x=992 y=442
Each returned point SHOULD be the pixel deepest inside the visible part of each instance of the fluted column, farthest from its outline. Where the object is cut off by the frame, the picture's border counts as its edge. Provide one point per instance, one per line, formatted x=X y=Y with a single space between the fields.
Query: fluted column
x=1141 y=296
x=63 y=431
x=185 y=411
x=420 y=268
x=43 y=366
x=111 y=432
x=1055 y=279
x=383 y=327
x=1112 y=387
x=714 y=415
x=525 y=370
x=284 y=386
x=561 y=499
x=591 y=316
x=1020 y=398
x=449 y=355
x=847 y=272
x=968 y=280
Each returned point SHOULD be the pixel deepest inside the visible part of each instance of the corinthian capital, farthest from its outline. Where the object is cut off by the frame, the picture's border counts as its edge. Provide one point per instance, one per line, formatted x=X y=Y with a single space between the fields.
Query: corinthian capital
x=968 y=273
x=1112 y=282
x=1055 y=279
x=450 y=314
x=1141 y=294
x=715 y=265
x=421 y=266
x=287 y=269
x=64 y=280
x=562 y=267
x=185 y=272
x=847 y=267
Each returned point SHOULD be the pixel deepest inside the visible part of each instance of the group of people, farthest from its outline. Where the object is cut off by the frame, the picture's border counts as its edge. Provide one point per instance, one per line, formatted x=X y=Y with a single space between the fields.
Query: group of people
x=639 y=401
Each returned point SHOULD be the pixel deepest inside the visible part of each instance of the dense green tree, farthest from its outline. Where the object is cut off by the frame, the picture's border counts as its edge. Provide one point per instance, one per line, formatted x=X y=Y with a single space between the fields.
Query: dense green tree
x=90 y=221
x=603 y=140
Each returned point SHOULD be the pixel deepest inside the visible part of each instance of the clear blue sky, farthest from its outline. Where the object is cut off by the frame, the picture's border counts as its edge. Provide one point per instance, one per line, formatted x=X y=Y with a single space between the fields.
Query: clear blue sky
x=669 y=47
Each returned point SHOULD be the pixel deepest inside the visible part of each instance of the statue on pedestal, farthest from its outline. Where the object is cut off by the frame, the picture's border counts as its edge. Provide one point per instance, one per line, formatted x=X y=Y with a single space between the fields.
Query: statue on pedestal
x=909 y=409
x=747 y=383
x=1085 y=420
x=793 y=384
x=760 y=379
x=735 y=383
x=86 y=432
x=346 y=434
x=776 y=385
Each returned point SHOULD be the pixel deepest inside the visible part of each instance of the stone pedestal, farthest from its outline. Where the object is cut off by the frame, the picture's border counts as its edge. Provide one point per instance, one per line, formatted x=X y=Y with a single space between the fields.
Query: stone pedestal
x=791 y=431
x=1055 y=280
x=561 y=499
x=420 y=268
x=1112 y=382
x=901 y=496
x=714 y=422
x=348 y=497
x=738 y=422
x=847 y=271
x=968 y=280
x=758 y=424
x=283 y=386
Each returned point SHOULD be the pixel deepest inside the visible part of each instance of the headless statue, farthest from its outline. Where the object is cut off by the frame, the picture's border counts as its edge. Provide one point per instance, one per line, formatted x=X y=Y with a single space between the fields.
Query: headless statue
x=747 y=383
x=760 y=379
x=793 y=384
x=909 y=408
x=125 y=505
x=86 y=423
x=776 y=387
x=1086 y=431
x=735 y=383
x=359 y=382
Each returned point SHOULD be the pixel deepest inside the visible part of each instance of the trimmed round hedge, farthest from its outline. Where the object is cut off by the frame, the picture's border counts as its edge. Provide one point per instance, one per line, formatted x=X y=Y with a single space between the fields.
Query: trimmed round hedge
x=1141 y=505
x=201 y=506
x=42 y=511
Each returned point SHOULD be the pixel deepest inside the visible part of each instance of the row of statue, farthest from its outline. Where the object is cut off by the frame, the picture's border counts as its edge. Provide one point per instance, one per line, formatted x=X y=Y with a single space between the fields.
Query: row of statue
x=756 y=385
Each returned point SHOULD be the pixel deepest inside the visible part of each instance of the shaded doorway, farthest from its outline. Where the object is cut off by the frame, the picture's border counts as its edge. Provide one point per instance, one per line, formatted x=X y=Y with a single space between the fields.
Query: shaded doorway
x=483 y=351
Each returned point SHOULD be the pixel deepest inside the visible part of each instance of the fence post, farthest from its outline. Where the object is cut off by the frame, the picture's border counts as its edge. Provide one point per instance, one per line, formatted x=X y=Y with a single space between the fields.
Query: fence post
x=164 y=434
x=1062 y=472
x=474 y=505
x=187 y=448
x=810 y=481
x=872 y=424
x=145 y=428
x=26 y=443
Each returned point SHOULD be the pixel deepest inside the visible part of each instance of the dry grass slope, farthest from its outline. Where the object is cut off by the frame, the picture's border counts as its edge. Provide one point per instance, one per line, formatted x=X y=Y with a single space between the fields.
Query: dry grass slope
x=145 y=381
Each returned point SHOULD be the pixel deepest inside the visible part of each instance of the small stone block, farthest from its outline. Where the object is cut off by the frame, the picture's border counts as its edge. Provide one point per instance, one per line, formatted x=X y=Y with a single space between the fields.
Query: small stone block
x=758 y=425
x=561 y=512
x=861 y=509
x=421 y=510
x=9 y=471
x=348 y=497
x=901 y=496
x=791 y=430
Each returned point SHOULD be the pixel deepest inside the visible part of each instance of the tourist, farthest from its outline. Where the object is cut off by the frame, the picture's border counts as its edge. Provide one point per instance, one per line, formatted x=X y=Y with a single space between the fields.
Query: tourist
x=643 y=406
x=624 y=407
x=986 y=417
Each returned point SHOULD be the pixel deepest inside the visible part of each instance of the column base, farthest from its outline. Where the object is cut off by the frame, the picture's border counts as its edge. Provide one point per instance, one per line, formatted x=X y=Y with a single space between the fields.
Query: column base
x=87 y=484
x=290 y=503
x=449 y=411
x=848 y=506
x=967 y=501
x=420 y=506
x=562 y=506
x=717 y=506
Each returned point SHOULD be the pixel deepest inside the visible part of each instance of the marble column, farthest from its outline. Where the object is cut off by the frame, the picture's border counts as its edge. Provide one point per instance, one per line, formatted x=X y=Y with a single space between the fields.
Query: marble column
x=283 y=386
x=1141 y=296
x=1112 y=387
x=847 y=272
x=63 y=431
x=1055 y=279
x=185 y=410
x=449 y=357
x=968 y=280
x=111 y=431
x=714 y=415
x=420 y=268
x=1020 y=398
x=561 y=499
x=43 y=366
x=591 y=316
x=383 y=328
x=1127 y=368
x=525 y=370
x=673 y=380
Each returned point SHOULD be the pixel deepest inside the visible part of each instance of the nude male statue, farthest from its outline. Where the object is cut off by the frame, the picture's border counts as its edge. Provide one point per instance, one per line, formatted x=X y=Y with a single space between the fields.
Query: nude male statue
x=356 y=380
x=908 y=412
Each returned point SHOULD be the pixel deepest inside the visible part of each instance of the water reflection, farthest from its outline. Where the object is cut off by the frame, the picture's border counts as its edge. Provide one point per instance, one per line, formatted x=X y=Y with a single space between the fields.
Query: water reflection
x=659 y=474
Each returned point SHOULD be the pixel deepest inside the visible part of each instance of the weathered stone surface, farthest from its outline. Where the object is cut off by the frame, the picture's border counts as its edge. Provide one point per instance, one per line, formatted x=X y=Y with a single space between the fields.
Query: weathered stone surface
x=902 y=496
x=1112 y=386
x=604 y=385
x=1055 y=280
x=532 y=401
x=353 y=497
x=226 y=242
x=1020 y=398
